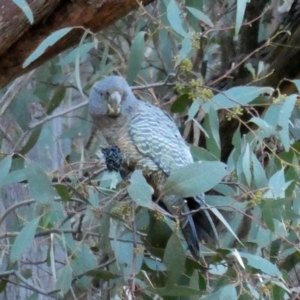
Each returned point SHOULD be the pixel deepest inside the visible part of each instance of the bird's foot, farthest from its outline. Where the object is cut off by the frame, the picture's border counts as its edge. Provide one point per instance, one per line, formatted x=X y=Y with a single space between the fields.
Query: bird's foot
x=113 y=158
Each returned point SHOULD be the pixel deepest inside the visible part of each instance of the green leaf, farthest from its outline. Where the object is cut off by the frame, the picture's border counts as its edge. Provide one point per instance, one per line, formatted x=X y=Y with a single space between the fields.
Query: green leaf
x=64 y=280
x=49 y=41
x=186 y=47
x=155 y=264
x=201 y=154
x=225 y=223
x=175 y=291
x=23 y=5
x=195 y=178
x=277 y=186
x=259 y=174
x=84 y=260
x=240 y=12
x=83 y=50
x=268 y=214
x=5 y=165
x=24 y=240
x=246 y=164
x=236 y=96
x=200 y=16
x=225 y=293
x=127 y=257
x=194 y=108
x=62 y=191
x=57 y=98
x=174 y=18
x=214 y=126
x=77 y=62
x=34 y=137
x=139 y=190
x=262 y=264
x=136 y=56
x=14 y=176
x=266 y=128
x=174 y=259
x=180 y=104
x=102 y=274
x=285 y=113
x=39 y=184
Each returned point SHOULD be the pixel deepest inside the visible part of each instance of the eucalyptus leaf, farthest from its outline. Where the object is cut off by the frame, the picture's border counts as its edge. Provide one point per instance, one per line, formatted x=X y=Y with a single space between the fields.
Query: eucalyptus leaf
x=262 y=264
x=139 y=190
x=136 y=56
x=236 y=96
x=200 y=16
x=240 y=12
x=24 y=6
x=39 y=184
x=246 y=164
x=5 y=164
x=24 y=240
x=84 y=261
x=195 y=178
x=174 y=17
x=175 y=291
x=49 y=41
x=174 y=259
x=64 y=280
x=225 y=293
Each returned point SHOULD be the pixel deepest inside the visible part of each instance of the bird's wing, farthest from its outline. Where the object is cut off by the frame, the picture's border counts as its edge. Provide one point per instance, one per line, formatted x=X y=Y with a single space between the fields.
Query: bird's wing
x=155 y=135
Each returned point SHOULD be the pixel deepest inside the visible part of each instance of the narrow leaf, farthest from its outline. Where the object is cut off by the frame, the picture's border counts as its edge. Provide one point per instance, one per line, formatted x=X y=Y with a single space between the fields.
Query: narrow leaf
x=225 y=223
x=200 y=16
x=49 y=41
x=24 y=240
x=175 y=291
x=136 y=56
x=240 y=12
x=259 y=174
x=23 y=5
x=246 y=165
x=174 y=18
x=186 y=47
x=65 y=279
x=214 y=125
x=174 y=259
x=285 y=113
x=77 y=62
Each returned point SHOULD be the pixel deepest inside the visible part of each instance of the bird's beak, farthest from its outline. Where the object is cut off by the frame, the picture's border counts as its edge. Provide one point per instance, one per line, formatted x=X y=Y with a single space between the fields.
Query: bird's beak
x=114 y=104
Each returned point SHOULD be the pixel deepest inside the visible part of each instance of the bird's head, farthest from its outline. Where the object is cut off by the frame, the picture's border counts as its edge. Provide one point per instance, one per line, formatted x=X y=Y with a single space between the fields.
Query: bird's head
x=110 y=97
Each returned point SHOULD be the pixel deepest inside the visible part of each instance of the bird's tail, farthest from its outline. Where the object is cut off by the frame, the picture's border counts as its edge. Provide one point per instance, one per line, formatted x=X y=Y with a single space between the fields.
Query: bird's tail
x=195 y=226
x=205 y=227
x=179 y=208
x=189 y=231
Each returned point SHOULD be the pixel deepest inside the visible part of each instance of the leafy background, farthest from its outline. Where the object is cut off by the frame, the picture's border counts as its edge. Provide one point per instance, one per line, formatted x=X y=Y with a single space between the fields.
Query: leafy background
x=72 y=230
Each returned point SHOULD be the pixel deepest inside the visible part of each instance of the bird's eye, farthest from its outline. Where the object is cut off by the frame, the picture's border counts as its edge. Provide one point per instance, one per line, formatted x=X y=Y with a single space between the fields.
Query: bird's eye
x=101 y=94
x=107 y=94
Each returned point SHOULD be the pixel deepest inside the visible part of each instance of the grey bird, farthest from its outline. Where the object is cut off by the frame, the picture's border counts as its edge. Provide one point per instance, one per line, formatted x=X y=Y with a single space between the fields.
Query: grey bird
x=149 y=140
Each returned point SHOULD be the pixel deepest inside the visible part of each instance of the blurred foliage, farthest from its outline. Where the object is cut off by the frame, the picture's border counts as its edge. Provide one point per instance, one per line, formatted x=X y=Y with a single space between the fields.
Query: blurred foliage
x=91 y=233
